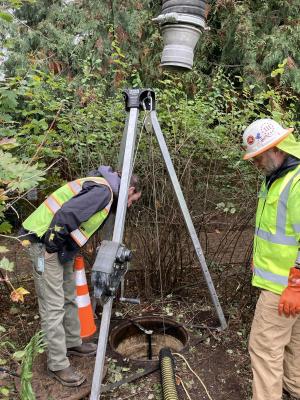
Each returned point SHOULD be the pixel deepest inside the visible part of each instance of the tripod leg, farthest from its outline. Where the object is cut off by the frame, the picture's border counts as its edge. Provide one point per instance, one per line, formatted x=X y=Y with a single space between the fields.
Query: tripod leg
x=126 y=174
x=187 y=217
x=101 y=350
x=117 y=237
x=108 y=226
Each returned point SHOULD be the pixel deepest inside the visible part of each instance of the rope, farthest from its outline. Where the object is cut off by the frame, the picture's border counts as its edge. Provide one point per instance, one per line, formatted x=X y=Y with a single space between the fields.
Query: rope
x=183 y=386
x=197 y=376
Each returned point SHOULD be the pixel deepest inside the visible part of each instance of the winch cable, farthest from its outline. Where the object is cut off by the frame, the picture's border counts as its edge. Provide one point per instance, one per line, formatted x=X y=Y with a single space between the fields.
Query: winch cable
x=168 y=382
x=139 y=138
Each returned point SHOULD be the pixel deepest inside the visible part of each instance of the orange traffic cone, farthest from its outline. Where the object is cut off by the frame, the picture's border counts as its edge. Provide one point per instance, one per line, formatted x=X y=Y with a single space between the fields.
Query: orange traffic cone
x=83 y=300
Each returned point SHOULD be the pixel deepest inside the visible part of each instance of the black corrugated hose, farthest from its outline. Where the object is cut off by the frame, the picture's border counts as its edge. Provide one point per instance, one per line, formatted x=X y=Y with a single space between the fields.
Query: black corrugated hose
x=167 y=366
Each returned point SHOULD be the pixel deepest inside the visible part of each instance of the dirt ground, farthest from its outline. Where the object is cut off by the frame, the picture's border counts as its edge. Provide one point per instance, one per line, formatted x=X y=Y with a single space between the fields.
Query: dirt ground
x=220 y=359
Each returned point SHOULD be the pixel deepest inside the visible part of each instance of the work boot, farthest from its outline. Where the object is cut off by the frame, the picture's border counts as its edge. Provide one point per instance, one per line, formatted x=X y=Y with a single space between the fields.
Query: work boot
x=68 y=376
x=85 y=350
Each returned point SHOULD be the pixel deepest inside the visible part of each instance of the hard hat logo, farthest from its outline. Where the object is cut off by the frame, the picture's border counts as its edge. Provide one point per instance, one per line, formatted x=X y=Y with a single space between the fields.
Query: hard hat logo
x=250 y=140
x=262 y=135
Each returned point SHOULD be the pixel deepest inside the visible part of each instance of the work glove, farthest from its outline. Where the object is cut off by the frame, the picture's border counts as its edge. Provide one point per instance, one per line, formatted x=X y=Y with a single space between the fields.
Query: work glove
x=289 y=302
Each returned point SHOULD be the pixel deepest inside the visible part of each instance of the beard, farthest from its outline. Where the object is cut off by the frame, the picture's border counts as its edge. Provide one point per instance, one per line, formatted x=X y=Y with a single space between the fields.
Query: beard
x=270 y=167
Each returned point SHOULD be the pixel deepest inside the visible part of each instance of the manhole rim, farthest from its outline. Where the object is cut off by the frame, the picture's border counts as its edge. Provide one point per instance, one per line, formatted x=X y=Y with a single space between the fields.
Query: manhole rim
x=128 y=322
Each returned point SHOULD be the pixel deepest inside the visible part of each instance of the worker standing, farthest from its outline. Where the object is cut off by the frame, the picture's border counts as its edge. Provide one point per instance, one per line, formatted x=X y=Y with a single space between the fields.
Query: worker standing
x=274 y=343
x=57 y=229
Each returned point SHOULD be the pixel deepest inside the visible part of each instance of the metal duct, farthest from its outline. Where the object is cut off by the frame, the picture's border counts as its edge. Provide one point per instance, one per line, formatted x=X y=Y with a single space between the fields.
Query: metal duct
x=181 y=22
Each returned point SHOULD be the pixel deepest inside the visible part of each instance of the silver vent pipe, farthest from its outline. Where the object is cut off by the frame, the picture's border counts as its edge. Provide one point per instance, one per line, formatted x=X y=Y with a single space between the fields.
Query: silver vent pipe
x=181 y=23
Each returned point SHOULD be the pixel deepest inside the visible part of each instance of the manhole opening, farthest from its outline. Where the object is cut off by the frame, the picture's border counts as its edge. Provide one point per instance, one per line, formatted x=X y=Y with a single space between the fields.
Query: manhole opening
x=141 y=339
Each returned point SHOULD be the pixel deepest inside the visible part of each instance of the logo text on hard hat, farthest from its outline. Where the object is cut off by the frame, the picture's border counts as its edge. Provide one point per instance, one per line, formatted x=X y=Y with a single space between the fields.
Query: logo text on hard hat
x=250 y=140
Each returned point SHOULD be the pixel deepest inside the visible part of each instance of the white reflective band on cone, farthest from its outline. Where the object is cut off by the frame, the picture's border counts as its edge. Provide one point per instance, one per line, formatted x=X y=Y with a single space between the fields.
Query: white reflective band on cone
x=83 y=301
x=80 y=277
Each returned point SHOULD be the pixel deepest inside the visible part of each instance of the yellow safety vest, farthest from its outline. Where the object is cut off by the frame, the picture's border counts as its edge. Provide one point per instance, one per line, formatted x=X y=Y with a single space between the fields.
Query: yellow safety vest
x=39 y=221
x=277 y=233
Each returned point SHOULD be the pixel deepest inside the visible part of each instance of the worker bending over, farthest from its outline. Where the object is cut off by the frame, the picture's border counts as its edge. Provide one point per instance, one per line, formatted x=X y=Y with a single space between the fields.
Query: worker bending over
x=57 y=229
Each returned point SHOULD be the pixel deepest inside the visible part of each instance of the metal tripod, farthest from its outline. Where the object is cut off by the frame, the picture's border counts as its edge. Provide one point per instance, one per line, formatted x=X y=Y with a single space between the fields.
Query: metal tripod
x=111 y=261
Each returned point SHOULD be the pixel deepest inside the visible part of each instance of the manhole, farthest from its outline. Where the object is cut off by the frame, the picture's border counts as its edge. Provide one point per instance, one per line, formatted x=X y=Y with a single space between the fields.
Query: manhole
x=141 y=339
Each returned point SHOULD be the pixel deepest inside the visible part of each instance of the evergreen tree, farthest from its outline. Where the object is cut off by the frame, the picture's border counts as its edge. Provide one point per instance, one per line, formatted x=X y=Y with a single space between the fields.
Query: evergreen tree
x=251 y=38
x=110 y=39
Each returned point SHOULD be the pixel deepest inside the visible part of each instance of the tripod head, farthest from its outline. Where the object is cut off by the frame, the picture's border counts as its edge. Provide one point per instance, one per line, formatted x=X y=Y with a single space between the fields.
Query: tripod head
x=142 y=99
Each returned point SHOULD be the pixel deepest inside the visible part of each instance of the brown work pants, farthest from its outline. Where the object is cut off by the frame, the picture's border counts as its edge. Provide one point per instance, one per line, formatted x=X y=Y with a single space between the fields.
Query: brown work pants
x=274 y=348
x=55 y=289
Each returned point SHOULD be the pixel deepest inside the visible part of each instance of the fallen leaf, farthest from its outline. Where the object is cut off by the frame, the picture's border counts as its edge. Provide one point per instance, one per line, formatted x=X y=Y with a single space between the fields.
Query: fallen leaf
x=25 y=243
x=18 y=294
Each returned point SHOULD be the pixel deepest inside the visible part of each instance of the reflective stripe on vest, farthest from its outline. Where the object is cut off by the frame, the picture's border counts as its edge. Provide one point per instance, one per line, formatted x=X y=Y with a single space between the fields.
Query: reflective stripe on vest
x=52 y=204
x=280 y=237
x=79 y=237
x=270 y=276
x=296 y=228
x=75 y=187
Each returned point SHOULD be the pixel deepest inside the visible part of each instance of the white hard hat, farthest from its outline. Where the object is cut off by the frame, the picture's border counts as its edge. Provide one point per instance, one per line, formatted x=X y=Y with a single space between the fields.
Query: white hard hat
x=262 y=135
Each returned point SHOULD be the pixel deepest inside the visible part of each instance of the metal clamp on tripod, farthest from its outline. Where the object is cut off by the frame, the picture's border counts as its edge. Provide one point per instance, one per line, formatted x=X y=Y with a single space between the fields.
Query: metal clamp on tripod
x=107 y=271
